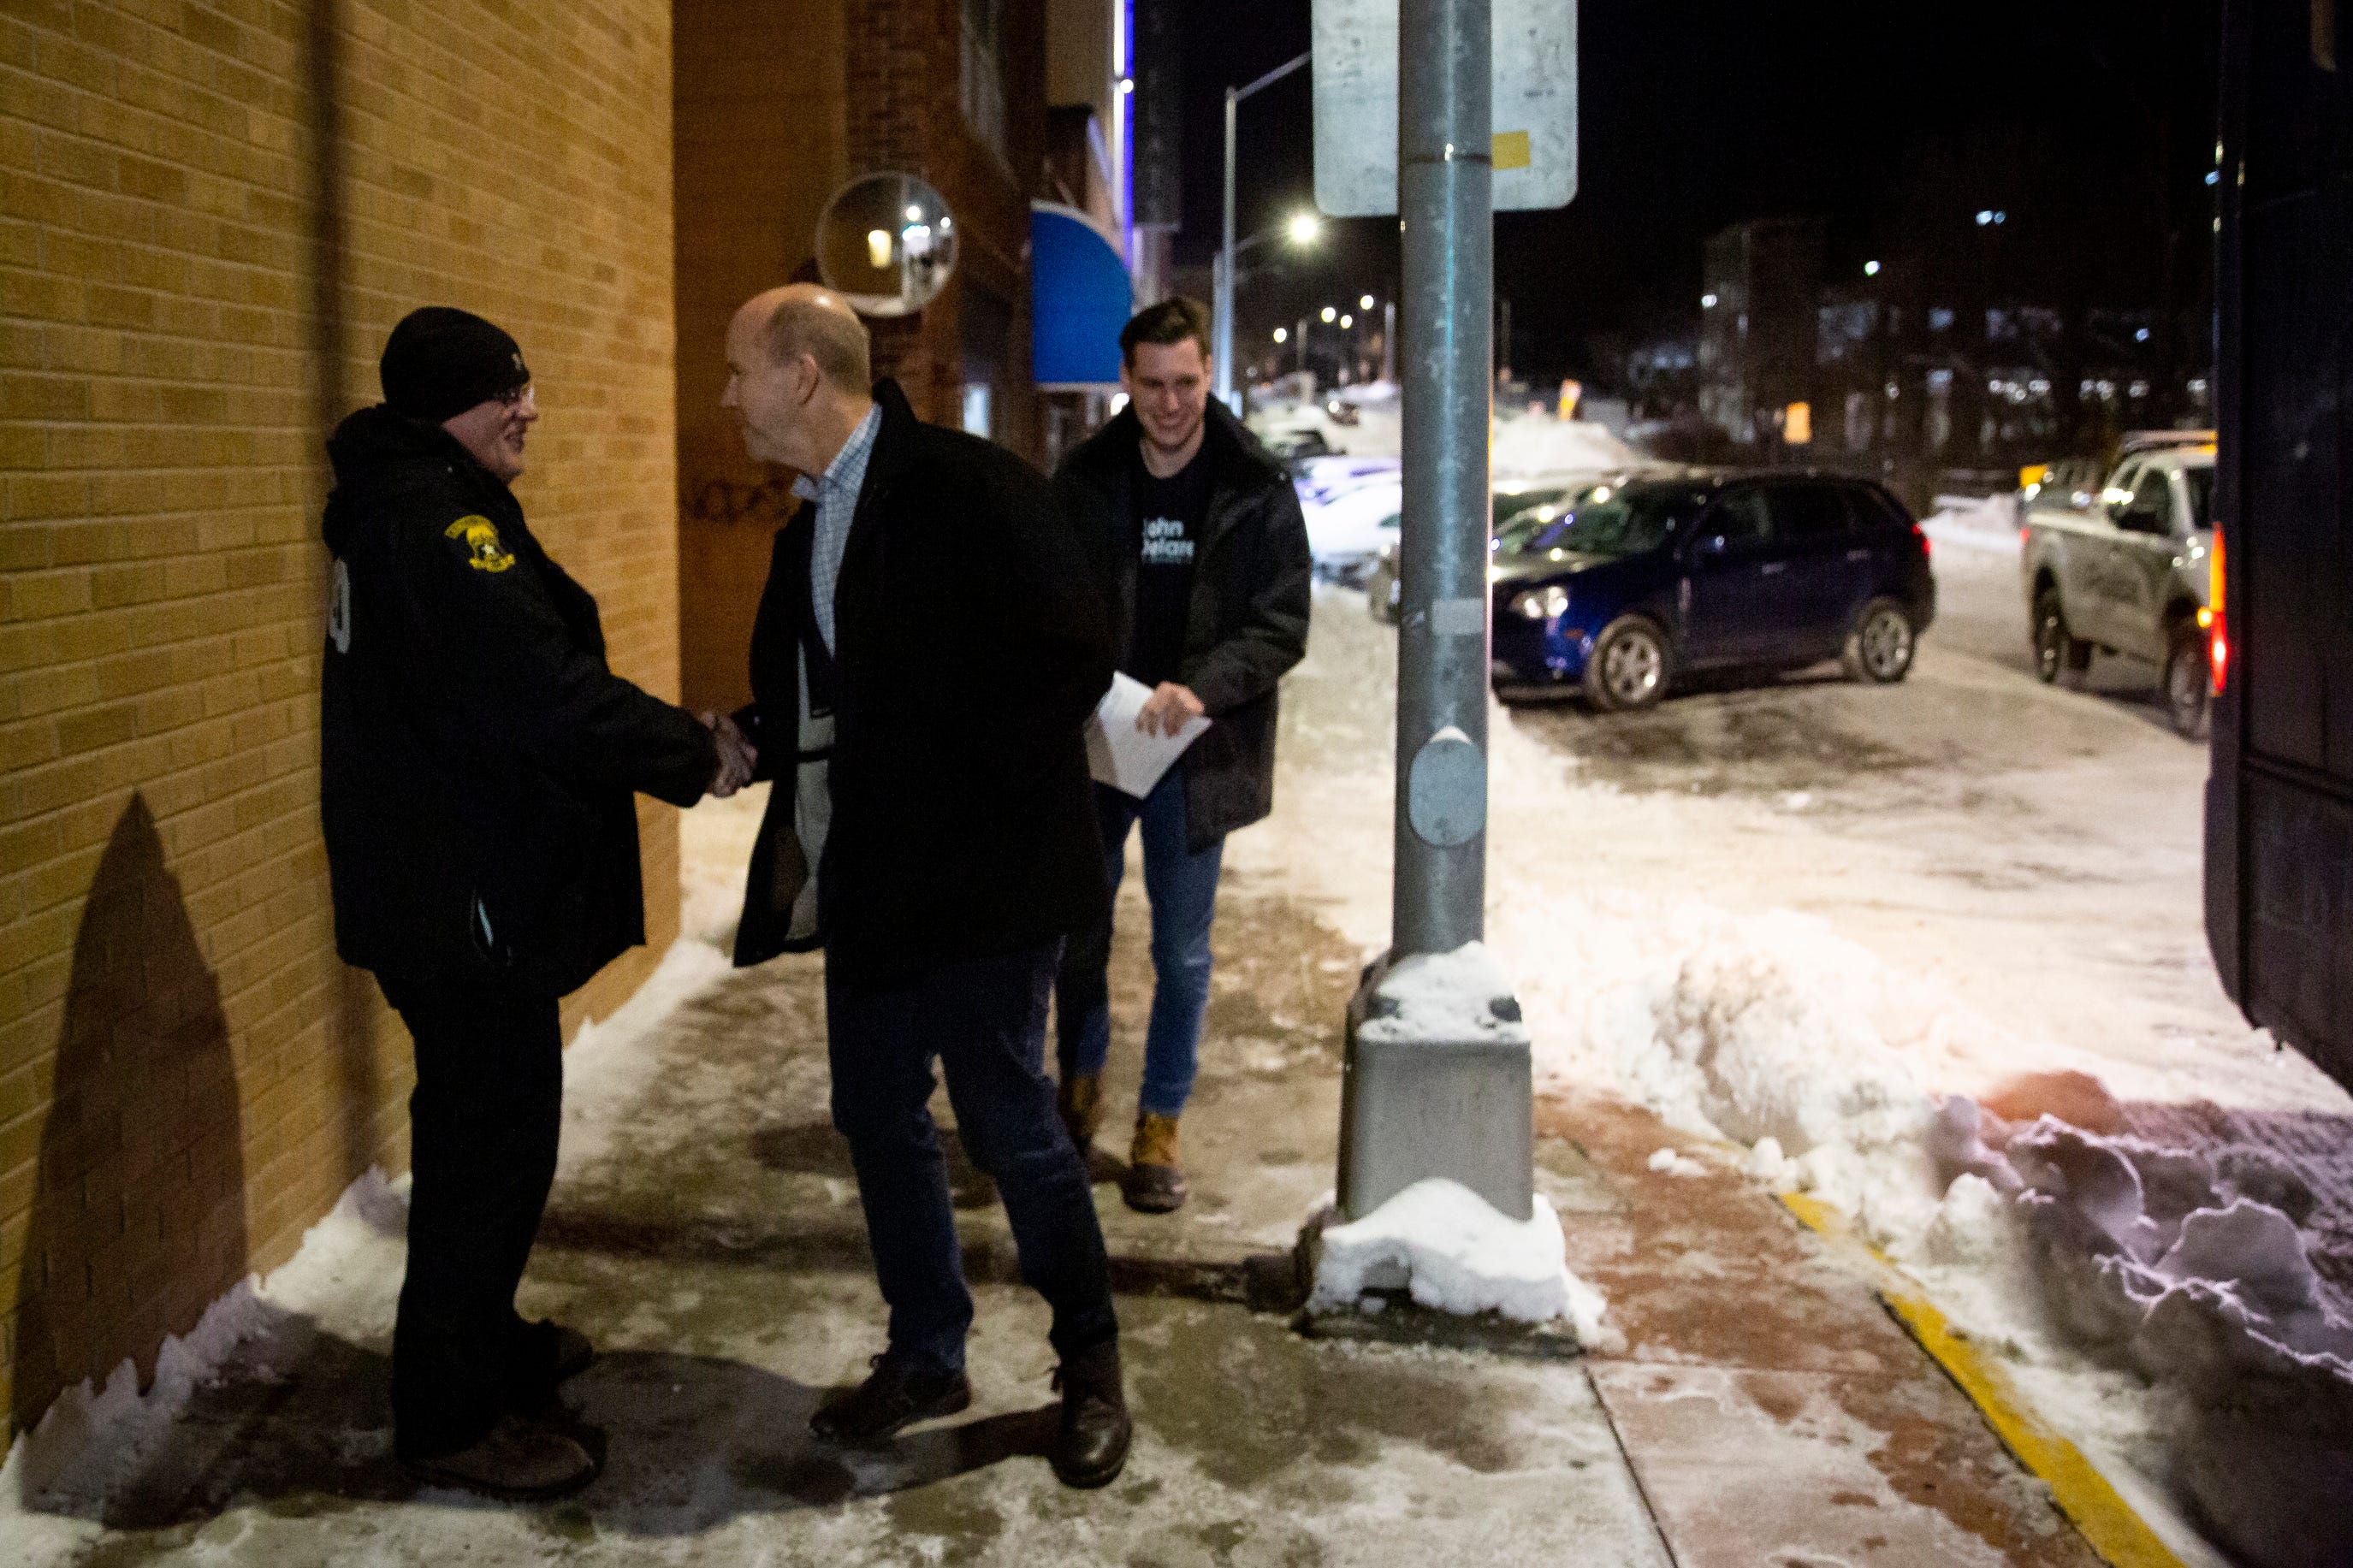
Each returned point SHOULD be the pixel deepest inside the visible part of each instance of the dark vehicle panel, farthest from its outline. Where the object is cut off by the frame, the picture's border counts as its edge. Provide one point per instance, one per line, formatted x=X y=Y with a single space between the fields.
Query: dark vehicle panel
x=2279 y=800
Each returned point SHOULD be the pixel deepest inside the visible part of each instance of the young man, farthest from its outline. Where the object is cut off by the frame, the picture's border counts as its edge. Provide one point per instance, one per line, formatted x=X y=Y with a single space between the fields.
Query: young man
x=927 y=651
x=478 y=764
x=1207 y=571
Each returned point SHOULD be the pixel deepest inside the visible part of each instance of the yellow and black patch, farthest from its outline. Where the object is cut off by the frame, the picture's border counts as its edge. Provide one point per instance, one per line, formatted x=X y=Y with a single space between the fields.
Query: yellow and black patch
x=485 y=551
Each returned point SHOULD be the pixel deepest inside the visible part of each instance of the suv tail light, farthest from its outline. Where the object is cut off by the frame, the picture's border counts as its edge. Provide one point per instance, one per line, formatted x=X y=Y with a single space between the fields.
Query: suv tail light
x=1922 y=535
x=2219 y=649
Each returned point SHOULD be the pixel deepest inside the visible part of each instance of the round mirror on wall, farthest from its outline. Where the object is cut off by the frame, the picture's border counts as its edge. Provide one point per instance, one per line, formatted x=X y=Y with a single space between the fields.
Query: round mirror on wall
x=887 y=243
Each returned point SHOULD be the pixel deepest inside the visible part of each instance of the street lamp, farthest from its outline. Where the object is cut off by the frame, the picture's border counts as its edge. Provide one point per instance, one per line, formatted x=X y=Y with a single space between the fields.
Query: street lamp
x=1304 y=228
x=1282 y=335
x=1228 y=251
x=1366 y=303
x=1329 y=315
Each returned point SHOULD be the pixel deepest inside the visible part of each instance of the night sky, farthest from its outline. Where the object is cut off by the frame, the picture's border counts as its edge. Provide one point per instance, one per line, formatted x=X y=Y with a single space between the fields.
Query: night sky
x=2089 y=122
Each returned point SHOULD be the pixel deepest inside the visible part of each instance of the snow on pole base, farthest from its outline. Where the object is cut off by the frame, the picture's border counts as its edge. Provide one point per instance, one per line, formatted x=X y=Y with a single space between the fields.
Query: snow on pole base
x=1438 y=1081
x=1443 y=1247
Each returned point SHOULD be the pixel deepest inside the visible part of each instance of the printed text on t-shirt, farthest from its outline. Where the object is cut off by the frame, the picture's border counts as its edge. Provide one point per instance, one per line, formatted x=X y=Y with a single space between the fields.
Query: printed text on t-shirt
x=1164 y=543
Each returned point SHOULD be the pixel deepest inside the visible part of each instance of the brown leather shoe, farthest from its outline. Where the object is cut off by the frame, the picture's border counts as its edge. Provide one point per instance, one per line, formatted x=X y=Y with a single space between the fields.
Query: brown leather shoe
x=892 y=1397
x=521 y=1459
x=1091 y=1444
x=1079 y=1102
x=1155 y=1183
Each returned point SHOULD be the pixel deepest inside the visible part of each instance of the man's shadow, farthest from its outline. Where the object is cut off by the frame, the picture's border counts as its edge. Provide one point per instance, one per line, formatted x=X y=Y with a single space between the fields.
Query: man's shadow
x=691 y=1443
x=137 y=1219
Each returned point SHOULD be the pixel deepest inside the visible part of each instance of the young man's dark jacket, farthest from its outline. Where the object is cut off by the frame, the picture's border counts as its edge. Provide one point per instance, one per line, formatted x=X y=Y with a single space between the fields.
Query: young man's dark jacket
x=969 y=649
x=1247 y=622
x=477 y=760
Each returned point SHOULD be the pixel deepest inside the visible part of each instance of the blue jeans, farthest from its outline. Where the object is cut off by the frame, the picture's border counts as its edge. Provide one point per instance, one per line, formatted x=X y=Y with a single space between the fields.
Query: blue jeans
x=985 y=1021
x=1182 y=885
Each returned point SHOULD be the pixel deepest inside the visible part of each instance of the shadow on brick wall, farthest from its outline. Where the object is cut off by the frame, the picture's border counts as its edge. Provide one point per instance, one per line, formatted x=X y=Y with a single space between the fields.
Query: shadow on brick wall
x=138 y=1217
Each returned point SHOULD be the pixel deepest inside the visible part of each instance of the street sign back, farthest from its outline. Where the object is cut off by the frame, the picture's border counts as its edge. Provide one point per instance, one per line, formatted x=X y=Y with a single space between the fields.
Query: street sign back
x=1355 y=67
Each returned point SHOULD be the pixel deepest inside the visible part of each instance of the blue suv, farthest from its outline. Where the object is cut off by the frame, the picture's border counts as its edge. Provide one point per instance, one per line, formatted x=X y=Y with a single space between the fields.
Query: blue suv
x=1642 y=581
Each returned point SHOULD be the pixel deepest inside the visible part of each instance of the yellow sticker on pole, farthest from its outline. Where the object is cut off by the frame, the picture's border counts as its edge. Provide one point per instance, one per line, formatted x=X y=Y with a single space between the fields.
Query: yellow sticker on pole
x=1510 y=149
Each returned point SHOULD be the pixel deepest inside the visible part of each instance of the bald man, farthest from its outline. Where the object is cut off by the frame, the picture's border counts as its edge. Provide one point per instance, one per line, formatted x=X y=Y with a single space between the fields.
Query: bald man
x=929 y=645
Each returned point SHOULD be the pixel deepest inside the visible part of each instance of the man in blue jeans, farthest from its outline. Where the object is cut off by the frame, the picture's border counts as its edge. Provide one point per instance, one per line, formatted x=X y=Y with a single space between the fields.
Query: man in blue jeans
x=1205 y=570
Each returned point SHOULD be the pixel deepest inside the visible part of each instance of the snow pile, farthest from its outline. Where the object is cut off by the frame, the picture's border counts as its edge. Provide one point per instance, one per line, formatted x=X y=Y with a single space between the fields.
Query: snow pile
x=2192 y=1271
x=1540 y=444
x=1444 y=996
x=1668 y=1162
x=1458 y=1255
x=1967 y=522
x=93 y=1441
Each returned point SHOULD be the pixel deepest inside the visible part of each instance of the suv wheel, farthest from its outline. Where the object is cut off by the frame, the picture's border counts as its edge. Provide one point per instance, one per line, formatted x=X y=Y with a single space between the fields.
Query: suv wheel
x=1880 y=648
x=2055 y=648
x=2189 y=681
x=1627 y=666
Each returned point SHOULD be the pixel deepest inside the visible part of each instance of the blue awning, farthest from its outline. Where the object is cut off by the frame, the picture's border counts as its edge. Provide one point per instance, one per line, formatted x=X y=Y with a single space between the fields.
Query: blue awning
x=1080 y=296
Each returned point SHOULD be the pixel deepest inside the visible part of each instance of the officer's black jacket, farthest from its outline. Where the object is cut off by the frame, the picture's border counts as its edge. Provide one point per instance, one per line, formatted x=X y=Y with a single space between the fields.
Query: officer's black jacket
x=478 y=759
x=970 y=648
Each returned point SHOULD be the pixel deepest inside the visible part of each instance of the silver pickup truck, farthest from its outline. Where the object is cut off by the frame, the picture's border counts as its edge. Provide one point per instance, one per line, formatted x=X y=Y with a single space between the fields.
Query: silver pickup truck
x=2127 y=572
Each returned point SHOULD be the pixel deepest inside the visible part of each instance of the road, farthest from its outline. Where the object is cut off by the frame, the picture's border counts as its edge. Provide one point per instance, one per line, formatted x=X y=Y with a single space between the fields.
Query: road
x=2033 y=851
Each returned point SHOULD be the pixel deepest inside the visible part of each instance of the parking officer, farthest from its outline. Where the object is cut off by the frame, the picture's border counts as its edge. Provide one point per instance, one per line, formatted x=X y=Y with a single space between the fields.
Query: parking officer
x=478 y=764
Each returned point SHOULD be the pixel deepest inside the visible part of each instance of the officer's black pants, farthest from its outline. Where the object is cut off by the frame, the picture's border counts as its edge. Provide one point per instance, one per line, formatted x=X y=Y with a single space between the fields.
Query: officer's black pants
x=483 y=1123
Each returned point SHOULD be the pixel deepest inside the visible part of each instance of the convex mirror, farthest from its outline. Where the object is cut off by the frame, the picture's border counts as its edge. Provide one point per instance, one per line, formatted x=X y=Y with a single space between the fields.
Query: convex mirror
x=888 y=243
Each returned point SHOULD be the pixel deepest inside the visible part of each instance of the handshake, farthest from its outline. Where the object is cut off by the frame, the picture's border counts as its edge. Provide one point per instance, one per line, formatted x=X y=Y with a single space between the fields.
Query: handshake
x=738 y=758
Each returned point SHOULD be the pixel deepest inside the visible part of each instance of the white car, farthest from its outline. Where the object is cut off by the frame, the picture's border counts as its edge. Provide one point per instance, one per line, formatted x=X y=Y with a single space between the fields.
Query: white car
x=1346 y=533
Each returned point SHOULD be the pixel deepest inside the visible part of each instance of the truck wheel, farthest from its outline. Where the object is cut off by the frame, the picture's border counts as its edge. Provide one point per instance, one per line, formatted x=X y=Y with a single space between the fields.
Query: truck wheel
x=1627 y=665
x=2189 y=681
x=1880 y=648
x=2055 y=648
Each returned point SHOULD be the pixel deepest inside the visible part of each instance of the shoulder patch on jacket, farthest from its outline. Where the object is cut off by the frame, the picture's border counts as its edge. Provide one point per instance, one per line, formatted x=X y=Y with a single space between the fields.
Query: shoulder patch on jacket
x=485 y=551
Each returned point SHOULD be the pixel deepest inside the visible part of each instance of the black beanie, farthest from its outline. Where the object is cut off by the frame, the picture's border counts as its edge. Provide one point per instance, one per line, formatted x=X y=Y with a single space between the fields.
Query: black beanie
x=440 y=361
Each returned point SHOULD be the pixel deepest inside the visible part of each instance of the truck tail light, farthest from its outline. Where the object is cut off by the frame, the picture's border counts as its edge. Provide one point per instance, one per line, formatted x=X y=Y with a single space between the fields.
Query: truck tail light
x=2218 y=648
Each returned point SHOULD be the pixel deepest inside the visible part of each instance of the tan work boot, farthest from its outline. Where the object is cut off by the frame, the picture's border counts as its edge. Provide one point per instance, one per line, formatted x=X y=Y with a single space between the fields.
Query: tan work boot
x=522 y=1459
x=1079 y=1102
x=1155 y=1174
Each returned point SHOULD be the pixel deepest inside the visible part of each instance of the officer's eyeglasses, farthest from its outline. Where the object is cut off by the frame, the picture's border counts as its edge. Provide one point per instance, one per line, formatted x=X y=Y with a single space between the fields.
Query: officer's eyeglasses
x=519 y=396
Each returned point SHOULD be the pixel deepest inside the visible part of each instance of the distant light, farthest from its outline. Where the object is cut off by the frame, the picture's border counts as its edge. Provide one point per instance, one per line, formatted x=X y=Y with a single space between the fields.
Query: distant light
x=1282 y=335
x=878 y=248
x=1330 y=314
x=2214 y=176
x=2141 y=336
x=1304 y=228
x=1871 y=269
x=1127 y=84
x=1366 y=303
x=1985 y=216
x=1707 y=301
x=915 y=215
x=1347 y=322
x=2001 y=216
x=2139 y=389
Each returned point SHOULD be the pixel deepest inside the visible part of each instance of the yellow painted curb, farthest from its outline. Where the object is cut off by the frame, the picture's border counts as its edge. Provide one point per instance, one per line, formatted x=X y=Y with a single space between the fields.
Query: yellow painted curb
x=2107 y=1522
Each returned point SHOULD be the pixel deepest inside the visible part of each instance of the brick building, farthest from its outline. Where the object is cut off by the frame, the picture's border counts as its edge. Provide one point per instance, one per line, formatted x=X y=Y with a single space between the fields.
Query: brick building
x=777 y=107
x=213 y=213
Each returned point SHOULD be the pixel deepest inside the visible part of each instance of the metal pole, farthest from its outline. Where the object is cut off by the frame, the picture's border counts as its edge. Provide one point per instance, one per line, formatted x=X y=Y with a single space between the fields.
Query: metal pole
x=1224 y=289
x=1446 y=202
x=1389 y=343
x=1437 y=1078
x=1302 y=342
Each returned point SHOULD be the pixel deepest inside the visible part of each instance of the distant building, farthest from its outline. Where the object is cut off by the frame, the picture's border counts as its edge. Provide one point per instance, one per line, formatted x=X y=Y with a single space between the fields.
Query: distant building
x=1758 y=309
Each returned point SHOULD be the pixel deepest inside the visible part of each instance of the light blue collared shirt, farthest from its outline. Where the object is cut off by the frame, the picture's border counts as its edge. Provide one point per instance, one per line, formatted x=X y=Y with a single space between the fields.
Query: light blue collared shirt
x=836 y=491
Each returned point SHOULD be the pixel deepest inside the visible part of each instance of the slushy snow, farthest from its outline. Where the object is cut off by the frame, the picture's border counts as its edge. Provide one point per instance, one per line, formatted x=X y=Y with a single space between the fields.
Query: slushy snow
x=1458 y=1255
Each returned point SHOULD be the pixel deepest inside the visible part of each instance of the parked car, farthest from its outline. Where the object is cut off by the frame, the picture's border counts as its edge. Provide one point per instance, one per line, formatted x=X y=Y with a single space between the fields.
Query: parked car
x=1660 y=576
x=1526 y=513
x=1346 y=533
x=2130 y=575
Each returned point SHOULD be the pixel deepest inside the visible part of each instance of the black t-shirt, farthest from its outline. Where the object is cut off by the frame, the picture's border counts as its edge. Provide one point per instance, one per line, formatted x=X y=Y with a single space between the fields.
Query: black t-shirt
x=1169 y=515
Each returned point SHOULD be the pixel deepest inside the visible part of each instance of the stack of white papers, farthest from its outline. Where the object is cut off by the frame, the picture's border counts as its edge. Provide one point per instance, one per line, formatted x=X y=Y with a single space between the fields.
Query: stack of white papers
x=1124 y=757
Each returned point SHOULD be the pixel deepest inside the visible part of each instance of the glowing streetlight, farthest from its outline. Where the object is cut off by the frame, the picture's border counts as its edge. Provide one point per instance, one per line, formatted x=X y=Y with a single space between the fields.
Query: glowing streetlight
x=1366 y=303
x=1282 y=335
x=1330 y=314
x=1347 y=322
x=1871 y=269
x=1304 y=228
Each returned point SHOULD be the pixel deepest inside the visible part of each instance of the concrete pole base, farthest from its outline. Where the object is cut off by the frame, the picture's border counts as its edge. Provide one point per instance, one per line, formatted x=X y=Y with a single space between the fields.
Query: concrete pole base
x=1437 y=1082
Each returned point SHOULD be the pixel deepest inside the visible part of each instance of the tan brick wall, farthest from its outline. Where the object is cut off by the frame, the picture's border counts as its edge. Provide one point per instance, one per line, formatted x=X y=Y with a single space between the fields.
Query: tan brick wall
x=210 y=214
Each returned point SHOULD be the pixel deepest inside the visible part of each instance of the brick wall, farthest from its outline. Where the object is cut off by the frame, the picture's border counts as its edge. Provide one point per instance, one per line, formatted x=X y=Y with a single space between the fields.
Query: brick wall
x=213 y=214
x=776 y=108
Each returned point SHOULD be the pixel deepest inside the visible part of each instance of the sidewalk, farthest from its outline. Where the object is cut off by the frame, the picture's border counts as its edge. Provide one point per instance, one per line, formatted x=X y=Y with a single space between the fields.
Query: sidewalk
x=705 y=1232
